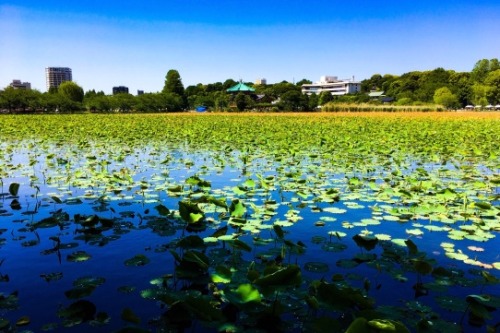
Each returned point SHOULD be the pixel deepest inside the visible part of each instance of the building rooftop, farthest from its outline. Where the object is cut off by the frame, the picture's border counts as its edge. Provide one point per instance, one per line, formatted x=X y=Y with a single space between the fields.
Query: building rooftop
x=240 y=87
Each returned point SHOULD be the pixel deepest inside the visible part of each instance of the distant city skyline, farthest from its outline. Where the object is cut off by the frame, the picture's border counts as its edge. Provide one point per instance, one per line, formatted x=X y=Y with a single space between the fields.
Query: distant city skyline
x=112 y=43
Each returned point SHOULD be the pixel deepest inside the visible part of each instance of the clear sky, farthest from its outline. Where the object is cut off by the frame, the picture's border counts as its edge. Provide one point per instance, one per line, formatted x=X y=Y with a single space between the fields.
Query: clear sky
x=134 y=43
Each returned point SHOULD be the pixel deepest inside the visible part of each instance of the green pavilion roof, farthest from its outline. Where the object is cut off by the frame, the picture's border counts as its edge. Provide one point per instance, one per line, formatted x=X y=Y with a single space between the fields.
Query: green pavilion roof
x=240 y=87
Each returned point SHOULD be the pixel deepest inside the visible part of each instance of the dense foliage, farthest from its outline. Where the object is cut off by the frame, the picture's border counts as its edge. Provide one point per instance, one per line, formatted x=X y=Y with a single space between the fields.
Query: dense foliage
x=447 y=88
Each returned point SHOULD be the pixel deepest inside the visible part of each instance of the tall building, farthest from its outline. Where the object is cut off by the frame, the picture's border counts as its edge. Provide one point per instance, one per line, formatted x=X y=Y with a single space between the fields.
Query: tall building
x=54 y=76
x=261 y=81
x=120 y=90
x=17 y=84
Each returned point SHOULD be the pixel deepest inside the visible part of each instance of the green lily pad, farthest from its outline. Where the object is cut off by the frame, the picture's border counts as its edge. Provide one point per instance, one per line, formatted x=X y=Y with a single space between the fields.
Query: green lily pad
x=333 y=247
x=130 y=316
x=137 y=260
x=77 y=312
x=316 y=267
x=347 y=263
x=78 y=256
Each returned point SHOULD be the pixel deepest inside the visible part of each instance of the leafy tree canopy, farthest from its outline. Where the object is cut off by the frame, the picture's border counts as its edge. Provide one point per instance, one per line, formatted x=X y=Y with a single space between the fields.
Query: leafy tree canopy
x=72 y=91
x=173 y=83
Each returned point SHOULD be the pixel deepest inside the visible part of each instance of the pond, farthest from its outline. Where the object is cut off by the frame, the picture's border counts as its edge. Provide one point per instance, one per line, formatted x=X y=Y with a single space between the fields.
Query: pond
x=250 y=222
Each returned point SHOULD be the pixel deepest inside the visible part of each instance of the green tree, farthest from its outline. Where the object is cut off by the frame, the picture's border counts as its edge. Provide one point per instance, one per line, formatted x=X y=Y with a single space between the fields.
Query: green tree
x=173 y=83
x=122 y=102
x=480 y=70
x=480 y=92
x=72 y=91
x=325 y=97
x=228 y=84
x=171 y=102
x=293 y=100
x=11 y=99
x=303 y=81
x=313 y=102
x=493 y=83
x=373 y=83
x=221 y=100
x=445 y=97
x=98 y=102
x=429 y=82
x=241 y=101
x=460 y=85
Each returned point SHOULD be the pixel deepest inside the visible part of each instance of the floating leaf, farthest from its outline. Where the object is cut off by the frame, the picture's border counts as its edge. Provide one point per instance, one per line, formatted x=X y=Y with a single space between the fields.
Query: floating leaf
x=190 y=212
x=334 y=247
x=422 y=267
x=240 y=245
x=237 y=209
x=197 y=257
x=279 y=231
x=162 y=210
x=366 y=242
x=288 y=276
x=138 y=260
x=78 y=256
x=316 y=267
x=4 y=323
x=23 y=321
x=412 y=247
x=14 y=189
x=191 y=242
x=222 y=274
x=78 y=312
x=247 y=293
x=130 y=316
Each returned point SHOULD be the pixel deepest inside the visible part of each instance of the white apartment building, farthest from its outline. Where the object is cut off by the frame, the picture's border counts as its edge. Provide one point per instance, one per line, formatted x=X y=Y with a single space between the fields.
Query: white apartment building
x=333 y=85
x=54 y=76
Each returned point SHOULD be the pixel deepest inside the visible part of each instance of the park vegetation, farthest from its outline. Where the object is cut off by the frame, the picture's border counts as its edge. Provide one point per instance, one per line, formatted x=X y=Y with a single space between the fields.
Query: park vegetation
x=437 y=89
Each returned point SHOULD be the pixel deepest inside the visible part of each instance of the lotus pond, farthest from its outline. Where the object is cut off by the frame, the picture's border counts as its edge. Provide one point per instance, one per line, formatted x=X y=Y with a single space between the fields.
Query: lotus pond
x=250 y=222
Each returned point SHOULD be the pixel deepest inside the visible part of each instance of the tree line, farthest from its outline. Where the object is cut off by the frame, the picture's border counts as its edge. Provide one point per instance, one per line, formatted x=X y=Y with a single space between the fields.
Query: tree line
x=448 y=88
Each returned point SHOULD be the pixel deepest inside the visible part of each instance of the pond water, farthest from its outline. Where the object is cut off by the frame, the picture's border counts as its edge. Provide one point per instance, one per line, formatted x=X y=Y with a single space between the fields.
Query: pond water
x=98 y=240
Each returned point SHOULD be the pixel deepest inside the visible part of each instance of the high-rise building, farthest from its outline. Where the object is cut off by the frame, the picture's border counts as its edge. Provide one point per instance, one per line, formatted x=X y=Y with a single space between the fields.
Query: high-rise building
x=120 y=90
x=261 y=81
x=54 y=76
x=17 y=84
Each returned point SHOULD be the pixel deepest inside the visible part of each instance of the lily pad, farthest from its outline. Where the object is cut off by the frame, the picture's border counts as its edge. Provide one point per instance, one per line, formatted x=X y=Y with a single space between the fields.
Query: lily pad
x=137 y=260
x=78 y=256
x=316 y=267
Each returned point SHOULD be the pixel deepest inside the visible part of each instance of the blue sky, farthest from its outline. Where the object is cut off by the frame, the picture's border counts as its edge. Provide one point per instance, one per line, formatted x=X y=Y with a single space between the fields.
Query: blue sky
x=132 y=43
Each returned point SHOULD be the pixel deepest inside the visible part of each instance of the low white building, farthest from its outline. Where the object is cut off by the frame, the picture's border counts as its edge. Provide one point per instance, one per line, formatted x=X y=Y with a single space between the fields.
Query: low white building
x=333 y=85
x=17 y=84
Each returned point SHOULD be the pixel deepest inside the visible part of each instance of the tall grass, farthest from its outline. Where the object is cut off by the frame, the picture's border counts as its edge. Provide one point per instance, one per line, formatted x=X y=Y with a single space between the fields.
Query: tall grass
x=348 y=107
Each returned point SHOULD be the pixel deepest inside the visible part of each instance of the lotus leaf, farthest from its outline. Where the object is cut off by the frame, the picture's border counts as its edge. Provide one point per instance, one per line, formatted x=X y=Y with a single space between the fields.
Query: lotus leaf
x=14 y=189
x=4 y=323
x=78 y=312
x=316 y=267
x=137 y=260
x=246 y=293
x=333 y=247
x=366 y=242
x=78 y=256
